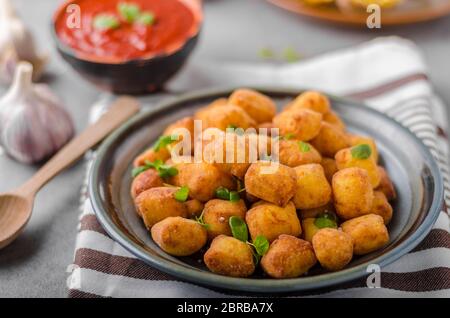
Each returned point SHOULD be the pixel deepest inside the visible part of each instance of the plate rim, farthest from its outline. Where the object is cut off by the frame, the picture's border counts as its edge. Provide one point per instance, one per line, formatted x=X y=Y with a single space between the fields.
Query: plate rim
x=260 y=285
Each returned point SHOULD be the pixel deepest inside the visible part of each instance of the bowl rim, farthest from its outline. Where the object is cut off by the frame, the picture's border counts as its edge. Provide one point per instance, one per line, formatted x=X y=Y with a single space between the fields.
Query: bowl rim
x=261 y=285
x=197 y=10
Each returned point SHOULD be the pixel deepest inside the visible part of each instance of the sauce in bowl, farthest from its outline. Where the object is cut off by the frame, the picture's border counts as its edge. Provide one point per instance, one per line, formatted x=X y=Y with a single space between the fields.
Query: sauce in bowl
x=169 y=25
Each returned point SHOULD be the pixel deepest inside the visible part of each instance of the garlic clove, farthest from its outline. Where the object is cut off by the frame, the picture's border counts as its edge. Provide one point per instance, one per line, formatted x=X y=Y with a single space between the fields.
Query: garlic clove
x=16 y=44
x=33 y=125
x=8 y=62
x=25 y=47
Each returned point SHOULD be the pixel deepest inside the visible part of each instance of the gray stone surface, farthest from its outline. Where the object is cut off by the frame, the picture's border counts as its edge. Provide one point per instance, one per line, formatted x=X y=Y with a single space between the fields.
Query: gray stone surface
x=34 y=265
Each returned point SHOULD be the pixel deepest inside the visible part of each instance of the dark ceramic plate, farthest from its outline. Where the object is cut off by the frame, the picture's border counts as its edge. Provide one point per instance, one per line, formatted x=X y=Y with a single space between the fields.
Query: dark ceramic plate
x=409 y=163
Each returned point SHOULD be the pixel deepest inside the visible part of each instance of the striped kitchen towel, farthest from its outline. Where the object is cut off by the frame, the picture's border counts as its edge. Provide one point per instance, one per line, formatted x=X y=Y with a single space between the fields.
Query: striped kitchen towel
x=388 y=74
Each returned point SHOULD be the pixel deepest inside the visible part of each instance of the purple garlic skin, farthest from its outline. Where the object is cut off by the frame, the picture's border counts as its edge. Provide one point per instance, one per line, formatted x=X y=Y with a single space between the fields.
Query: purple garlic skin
x=33 y=124
x=8 y=65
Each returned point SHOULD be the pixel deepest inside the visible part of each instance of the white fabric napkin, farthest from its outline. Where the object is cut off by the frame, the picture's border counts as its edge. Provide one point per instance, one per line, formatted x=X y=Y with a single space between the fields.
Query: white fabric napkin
x=390 y=75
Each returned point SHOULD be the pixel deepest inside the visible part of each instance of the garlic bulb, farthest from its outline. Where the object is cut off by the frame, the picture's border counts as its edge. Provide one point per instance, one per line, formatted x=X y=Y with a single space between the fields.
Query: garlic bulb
x=33 y=125
x=16 y=44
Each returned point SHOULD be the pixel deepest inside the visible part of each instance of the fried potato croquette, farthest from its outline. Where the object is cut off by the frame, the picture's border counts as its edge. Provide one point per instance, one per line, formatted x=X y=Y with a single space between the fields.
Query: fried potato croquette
x=202 y=179
x=345 y=159
x=270 y=181
x=333 y=248
x=223 y=117
x=381 y=206
x=230 y=257
x=309 y=229
x=203 y=112
x=264 y=144
x=152 y=155
x=270 y=220
x=329 y=167
x=231 y=153
x=356 y=140
x=194 y=207
x=186 y=123
x=313 y=189
x=332 y=118
x=260 y=107
x=217 y=214
x=288 y=257
x=330 y=140
x=315 y=212
x=266 y=125
x=352 y=193
x=156 y=204
x=294 y=153
x=179 y=236
x=301 y=124
x=144 y=181
x=209 y=136
x=386 y=185
x=368 y=233
x=176 y=130
x=311 y=100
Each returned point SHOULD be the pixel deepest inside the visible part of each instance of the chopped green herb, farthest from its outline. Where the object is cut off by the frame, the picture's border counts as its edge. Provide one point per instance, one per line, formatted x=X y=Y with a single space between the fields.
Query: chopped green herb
x=261 y=245
x=146 y=18
x=154 y=164
x=164 y=141
x=288 y=136
x=138 y=170
x=164 y=171
x=130 y=12
x=291 y=55
x=324 y=223
x=238 y=228
x=362 y=151
x=201 y=221
x=304 y=147
x=235 y=129
x=240 y=186
x=326 y=220
x=234 y=196
x=256 y=256
x=182 y=194
x=223 y=193
x=104 y=22
x=266 y=53
x=148 y=165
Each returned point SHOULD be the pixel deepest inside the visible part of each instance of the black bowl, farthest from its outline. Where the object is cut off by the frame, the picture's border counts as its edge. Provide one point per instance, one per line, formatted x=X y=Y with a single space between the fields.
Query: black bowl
x=137 y=76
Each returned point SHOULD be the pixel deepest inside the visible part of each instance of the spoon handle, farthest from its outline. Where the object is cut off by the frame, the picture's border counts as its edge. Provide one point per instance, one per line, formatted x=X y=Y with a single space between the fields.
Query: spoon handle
x=122 y=109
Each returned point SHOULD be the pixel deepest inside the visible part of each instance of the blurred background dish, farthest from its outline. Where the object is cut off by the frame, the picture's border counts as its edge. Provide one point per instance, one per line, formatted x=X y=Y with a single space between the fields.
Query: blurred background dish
x=128 y=47
x=394 y=12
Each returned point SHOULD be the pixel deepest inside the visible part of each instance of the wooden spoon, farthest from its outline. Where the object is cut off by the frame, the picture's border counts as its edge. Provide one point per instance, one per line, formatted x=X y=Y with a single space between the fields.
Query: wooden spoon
x=16 y=206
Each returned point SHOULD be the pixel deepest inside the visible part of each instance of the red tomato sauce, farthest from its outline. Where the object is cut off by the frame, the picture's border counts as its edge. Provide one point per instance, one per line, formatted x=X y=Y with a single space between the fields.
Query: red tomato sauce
x=175 y=22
